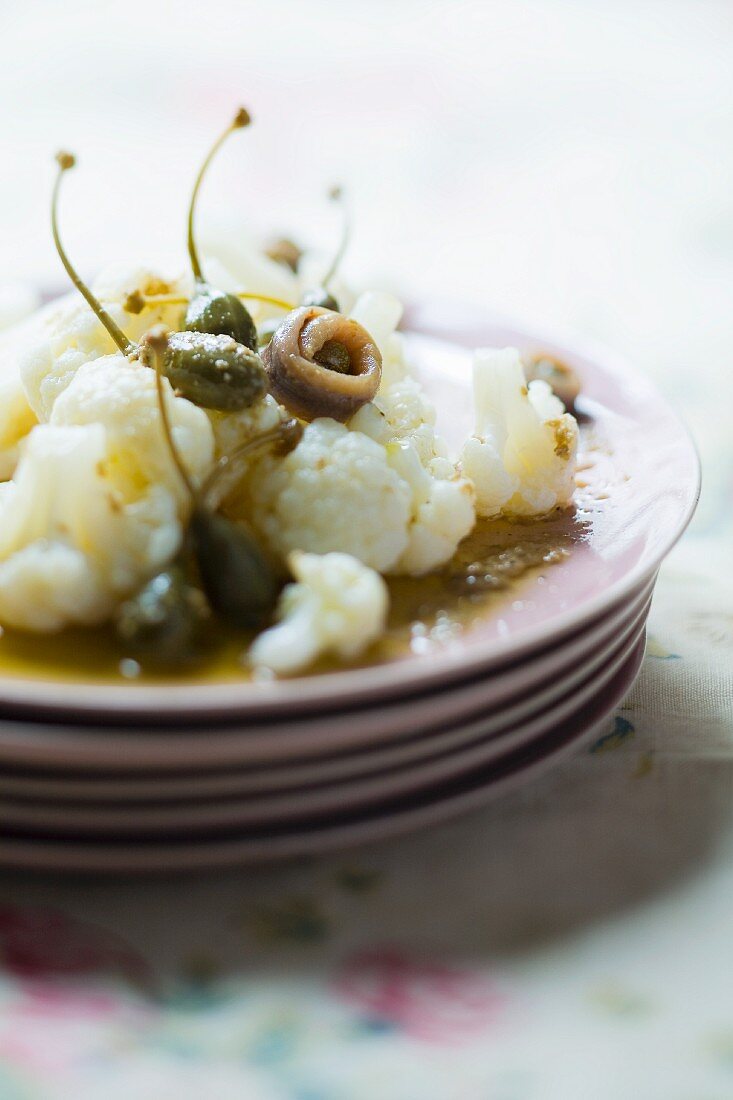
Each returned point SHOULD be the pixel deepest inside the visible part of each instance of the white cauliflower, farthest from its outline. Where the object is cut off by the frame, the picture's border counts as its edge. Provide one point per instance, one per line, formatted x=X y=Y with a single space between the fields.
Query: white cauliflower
x=16 y=416
x=442 y=510
x=337 y=606
x=335 y=491
x=380 y=489
x=48 y=516
x=66 y=334
x=16 y=420
x=521 y=457
x=95 y=504
x=402 y=419
x=402 y=412
x=121 y=395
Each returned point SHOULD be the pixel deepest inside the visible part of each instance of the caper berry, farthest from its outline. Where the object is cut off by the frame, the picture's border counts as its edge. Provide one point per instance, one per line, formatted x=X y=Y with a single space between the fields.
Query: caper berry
x=561 y=378
x=212 y=311
x=286 y=252
x=320 y=297
x=236 y=576
x=214 y=372
x=164 y=622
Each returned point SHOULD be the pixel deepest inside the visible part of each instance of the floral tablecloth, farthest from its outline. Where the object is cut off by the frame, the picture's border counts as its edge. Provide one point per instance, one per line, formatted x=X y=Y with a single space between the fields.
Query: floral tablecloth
x=574 y=939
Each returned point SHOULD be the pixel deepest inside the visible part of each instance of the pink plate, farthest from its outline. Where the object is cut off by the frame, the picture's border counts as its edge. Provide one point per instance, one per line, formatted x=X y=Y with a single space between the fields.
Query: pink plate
x=195 y=819
x=297 y=774
x=120 y=751
x=641 y=495
x=444 y=800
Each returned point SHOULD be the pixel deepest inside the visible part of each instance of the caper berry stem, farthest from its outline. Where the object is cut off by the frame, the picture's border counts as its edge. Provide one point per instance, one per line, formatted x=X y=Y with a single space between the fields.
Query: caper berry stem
x=240 y=120
x=156 y=340
x=65 y=162
x=336 y=194
x=286 y=434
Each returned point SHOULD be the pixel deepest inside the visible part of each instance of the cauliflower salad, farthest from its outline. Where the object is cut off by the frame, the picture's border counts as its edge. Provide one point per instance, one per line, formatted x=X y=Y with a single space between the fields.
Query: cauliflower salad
x=246 y=442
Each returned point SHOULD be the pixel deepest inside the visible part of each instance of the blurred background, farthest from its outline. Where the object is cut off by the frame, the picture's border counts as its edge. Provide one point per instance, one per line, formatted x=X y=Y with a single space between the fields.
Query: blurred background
x=564 y=160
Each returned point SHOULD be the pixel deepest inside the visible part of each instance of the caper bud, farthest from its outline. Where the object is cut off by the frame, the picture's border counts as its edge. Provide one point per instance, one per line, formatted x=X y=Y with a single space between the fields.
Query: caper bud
x=211 y=310
x=235 y=575
x=163 y=623
x=214 y=372
x=320 y=297
x=286 y=252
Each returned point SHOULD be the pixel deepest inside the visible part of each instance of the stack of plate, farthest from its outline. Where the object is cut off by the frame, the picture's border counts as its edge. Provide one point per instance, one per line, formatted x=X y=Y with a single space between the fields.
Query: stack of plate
x=113 y=778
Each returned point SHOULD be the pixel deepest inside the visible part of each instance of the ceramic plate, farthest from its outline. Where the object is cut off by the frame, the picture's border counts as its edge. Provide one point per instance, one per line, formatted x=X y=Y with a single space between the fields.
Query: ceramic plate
x=471 y=749
x=286 y=743
x=334 y=766
x=428 y=807
x=642 y=489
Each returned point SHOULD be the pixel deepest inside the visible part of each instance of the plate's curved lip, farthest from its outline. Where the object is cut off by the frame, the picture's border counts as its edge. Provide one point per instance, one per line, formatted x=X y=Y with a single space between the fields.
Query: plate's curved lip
x=195 y=702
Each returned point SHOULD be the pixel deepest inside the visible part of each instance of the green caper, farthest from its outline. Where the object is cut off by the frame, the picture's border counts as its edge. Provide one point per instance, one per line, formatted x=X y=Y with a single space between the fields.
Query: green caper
x=320 y=297
x=221 y=314
x=214 y=372
x=236 y=576
x=335 y=356
x=164 y=622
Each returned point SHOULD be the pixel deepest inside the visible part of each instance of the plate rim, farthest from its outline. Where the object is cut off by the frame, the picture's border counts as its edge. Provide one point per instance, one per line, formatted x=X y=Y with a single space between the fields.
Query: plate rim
x=218 y=701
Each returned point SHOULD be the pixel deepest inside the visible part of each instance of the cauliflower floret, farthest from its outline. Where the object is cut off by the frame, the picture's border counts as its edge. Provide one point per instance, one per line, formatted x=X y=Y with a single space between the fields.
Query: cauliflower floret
x=341 y=490
x=16 y=416
x=443 y=511
x=337 y=606
x=97 y=492
x=46 y=586
x=16 y=420
x=521 y=457
x=338 y=489
x=402 y=412
x=121 y=395
x=66 y=334
x=335 y=491
x=48 y=516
